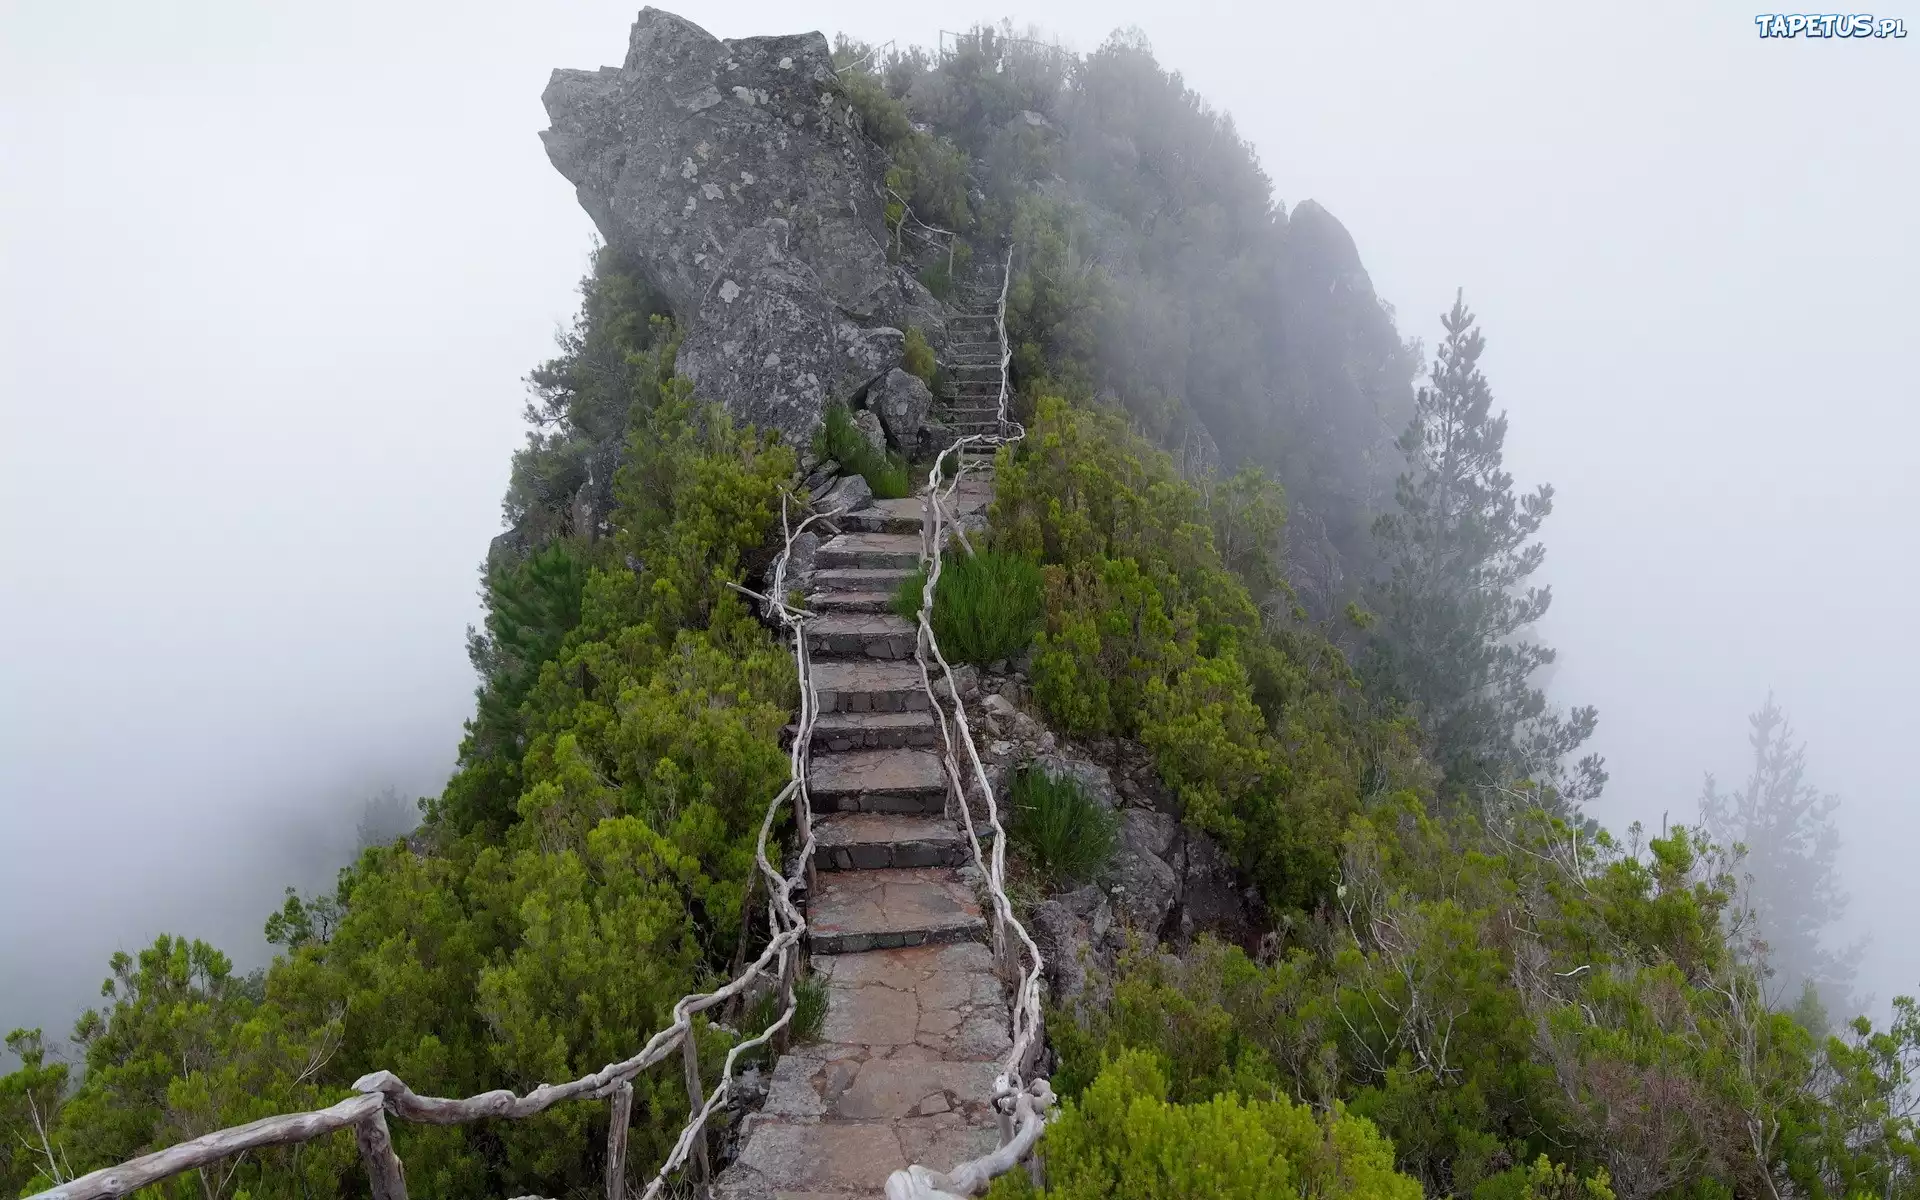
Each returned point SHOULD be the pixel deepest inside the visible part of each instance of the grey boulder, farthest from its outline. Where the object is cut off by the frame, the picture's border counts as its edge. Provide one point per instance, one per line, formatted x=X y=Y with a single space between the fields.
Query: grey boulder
x=903 y=402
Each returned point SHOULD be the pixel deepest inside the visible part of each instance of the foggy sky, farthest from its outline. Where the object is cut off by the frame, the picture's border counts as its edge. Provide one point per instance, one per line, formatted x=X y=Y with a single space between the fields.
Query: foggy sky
x=270 y=276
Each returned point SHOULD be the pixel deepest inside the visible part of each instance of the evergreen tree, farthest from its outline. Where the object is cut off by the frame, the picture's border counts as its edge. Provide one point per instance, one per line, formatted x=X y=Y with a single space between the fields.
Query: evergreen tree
x=1792 y=846
x=31 y=1149
x=1454 y=609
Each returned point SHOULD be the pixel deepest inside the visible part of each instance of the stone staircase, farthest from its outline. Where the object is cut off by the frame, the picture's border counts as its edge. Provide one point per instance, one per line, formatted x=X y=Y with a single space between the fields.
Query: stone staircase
x=971 y=403
x=916 y=1022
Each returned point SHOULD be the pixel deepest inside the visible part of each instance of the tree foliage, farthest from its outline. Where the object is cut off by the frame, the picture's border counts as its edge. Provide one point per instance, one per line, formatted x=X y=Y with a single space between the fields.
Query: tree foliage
x=584 y=868
x=1455 y=607
x=1784 y=828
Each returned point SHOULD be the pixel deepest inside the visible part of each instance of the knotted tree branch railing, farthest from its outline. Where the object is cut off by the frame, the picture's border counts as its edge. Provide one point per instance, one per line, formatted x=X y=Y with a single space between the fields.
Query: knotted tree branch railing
x=1021 y=1101
x=925 y=232
x=383 y=1093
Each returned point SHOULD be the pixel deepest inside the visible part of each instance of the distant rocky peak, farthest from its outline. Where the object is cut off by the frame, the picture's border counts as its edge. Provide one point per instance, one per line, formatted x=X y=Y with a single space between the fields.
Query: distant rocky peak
x=735 y=175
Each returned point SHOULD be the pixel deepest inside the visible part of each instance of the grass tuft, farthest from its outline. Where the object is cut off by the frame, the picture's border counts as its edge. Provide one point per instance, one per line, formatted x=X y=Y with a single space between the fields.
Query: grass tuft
x=988 y=605
x=1064 y=832
x=886 y=474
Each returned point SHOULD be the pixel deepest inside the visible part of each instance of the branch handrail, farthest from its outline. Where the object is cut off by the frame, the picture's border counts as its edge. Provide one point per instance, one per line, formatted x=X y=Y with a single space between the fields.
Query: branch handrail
x=900 y=227
x=1021 y=1101
x=383 y=1092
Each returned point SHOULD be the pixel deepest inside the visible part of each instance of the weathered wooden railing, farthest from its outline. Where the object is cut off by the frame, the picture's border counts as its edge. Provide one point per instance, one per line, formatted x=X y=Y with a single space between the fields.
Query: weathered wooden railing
x=1021 y=1101
x=929 y=235
x=383 y=1093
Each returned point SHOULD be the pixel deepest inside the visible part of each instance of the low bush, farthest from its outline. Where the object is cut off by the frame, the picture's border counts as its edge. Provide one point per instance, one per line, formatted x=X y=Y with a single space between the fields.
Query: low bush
x=1063 y=831
x=1123 y=1138
x=988 y=605
x=917 y=357
x=841 y=441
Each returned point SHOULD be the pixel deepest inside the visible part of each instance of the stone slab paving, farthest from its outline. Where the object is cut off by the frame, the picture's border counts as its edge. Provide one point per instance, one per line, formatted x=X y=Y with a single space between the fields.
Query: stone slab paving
x=901 y=1074
x=851 y=911
x=887 y=516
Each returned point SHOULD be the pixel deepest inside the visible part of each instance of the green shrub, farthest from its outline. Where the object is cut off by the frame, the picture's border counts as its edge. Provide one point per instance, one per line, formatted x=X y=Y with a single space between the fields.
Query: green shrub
x=1544 y=1180
x=988 y=605
x=918 y=356
x=1064 y=831
x=839 y=440
x=1124 y=1139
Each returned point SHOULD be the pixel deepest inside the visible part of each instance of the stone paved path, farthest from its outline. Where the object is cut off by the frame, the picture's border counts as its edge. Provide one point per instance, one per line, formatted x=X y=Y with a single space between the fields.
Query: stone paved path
x=916 y=1023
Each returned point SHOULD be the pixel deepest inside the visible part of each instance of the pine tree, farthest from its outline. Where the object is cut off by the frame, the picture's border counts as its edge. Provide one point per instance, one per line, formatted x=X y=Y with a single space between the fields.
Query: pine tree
x=1453 y=611
x=1792 y=847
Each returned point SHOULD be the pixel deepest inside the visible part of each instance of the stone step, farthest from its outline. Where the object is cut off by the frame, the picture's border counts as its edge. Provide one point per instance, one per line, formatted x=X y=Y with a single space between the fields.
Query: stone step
x=885 y=516
x=872 y=841
x=870 y=551
x=838 y=732
x=874 y=685
x=869 y=635
x=860 y=579
x=852 y=911
x=905 y=780
x=866 y=602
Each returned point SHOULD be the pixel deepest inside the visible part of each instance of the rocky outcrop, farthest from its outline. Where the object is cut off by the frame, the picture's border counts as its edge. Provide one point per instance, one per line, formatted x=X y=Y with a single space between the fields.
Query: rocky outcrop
x=1166 y=881
x=735 y=176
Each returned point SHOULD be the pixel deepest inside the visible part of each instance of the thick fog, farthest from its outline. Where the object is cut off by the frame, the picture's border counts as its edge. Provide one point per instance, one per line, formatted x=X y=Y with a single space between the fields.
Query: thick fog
x=272 y=273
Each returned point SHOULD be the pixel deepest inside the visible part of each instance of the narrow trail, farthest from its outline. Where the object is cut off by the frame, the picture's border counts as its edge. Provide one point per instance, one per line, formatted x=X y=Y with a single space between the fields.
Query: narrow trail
x=917 y=1018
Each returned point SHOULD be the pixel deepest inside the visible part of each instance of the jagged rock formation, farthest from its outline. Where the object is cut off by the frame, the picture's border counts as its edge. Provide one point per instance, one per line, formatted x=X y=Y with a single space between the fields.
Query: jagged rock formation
x=735 y=174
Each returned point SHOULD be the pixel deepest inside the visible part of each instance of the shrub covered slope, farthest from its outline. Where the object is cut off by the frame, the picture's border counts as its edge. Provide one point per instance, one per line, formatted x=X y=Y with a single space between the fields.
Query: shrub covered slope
x=1466 y=987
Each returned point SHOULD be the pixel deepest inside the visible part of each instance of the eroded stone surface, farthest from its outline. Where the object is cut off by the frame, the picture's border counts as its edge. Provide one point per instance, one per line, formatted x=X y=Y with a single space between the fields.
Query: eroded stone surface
x=873 y=910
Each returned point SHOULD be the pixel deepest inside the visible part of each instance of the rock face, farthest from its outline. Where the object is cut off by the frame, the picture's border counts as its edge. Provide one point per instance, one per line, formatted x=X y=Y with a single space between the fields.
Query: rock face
x=735 y=176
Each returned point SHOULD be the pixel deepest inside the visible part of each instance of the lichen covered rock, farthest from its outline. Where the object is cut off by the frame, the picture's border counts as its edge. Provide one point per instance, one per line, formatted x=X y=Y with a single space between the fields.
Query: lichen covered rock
x=735 y=176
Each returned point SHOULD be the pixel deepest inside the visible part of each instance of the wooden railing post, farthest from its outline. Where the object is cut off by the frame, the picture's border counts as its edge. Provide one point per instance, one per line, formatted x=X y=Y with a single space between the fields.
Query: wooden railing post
x=697 y=1156
x=384 y=1172
x=789 y=967
x=622 y=1102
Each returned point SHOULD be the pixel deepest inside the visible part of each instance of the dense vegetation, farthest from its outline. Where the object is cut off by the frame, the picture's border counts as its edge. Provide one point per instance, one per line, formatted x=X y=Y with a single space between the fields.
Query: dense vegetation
x=1521 y=1003
x=585 y=867
x=1466 y=986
